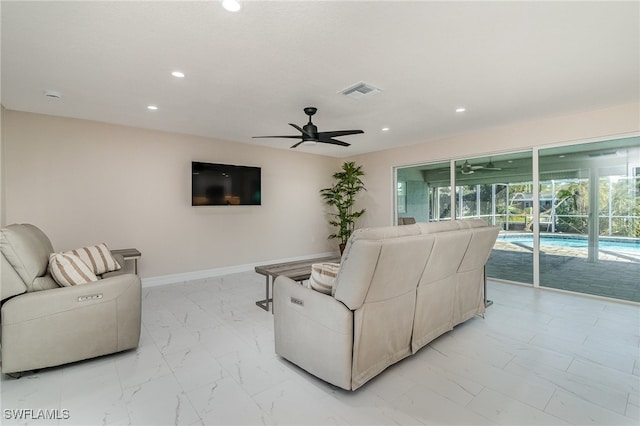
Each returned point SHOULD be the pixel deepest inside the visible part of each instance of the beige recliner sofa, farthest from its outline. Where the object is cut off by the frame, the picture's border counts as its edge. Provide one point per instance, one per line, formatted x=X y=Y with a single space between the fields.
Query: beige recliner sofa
x=397 y=289
x=45 y=325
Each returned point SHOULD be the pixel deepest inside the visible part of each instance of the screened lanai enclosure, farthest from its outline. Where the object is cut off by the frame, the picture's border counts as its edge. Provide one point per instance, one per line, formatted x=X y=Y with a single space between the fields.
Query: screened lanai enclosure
x=569 y=215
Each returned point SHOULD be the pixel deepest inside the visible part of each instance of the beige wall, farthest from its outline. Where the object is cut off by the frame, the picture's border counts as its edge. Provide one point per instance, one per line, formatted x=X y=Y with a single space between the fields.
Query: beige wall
x=611 y=122
x=2 y=178
x=85 y=182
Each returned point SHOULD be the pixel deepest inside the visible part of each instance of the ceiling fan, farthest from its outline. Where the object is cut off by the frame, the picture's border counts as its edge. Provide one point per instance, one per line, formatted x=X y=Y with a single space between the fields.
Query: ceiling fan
x=467 y=168
x=309 y=132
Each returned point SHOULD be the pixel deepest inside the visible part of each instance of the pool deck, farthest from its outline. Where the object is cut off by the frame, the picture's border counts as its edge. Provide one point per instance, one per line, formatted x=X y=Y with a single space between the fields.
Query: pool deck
x=615 y=275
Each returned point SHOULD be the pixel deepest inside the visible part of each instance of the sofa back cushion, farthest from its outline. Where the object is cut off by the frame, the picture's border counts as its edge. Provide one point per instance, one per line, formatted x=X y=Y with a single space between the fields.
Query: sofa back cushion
x=26 y=248
x=378 y=277
x=448 y=251
x=477 y=254
x=473 y=223
x=399 y=267
x=436 y=291
x=10 y=282
x=469 y=290
x=379 y=234
x=436 y=227
x=358 y=264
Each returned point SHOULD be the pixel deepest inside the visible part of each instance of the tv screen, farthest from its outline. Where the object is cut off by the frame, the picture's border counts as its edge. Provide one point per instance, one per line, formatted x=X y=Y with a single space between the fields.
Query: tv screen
x=224 y=185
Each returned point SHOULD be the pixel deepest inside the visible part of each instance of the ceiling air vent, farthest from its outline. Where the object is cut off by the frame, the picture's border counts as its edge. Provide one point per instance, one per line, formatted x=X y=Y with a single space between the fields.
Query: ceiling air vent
x=360 y=90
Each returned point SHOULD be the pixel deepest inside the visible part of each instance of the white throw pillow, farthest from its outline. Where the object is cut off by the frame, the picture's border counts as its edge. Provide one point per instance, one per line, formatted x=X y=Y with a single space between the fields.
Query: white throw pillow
x=323 y=276
x=69 y=270
x=98 y=258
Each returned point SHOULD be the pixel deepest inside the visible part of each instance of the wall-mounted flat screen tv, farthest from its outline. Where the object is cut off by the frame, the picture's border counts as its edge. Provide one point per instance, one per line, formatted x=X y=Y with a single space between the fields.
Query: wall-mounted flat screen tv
x=225 y=185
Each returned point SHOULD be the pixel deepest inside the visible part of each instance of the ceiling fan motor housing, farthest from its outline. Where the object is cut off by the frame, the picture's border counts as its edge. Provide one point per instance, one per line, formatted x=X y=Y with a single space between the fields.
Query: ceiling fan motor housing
x=311 y=132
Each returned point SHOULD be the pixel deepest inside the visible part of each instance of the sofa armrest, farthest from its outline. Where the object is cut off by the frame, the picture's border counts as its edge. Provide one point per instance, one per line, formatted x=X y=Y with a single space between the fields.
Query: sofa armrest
x=120 y=259
x=314 y=331
x=39 y=304
x=53 y=327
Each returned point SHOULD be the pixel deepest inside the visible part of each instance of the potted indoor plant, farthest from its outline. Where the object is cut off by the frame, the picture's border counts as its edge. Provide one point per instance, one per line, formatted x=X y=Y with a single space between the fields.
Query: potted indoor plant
x=342 y=196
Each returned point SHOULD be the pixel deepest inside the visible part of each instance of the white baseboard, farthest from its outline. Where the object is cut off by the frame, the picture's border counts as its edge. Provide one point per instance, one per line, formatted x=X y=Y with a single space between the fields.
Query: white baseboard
x=216 y=272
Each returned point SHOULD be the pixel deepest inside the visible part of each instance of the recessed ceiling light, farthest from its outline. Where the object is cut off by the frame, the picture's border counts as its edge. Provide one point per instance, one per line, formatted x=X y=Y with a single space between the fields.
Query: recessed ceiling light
x=231 y=5
x=152 y=107
x=178 y=74
x=385 y=129
x=461 y=109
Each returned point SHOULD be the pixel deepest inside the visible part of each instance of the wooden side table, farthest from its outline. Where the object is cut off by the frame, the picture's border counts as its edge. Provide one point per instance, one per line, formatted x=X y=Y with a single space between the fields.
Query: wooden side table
x=299 y=270
x=130 y=254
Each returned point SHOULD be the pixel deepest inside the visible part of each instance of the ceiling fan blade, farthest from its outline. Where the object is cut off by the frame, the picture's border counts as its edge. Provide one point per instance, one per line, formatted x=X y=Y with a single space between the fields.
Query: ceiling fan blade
x=309 y=132
x=296 y=145
x=287 y=136
x=301 y=130
x=324 y=139
x=339 y=133
x=491 y=166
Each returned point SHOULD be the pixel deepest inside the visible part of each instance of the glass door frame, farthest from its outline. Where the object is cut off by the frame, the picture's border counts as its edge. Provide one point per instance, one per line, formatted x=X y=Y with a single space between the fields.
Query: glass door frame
x=535 y=171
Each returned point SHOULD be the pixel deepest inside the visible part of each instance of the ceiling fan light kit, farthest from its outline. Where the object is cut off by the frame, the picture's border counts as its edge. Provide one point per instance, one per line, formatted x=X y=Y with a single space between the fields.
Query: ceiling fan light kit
x=309 y=133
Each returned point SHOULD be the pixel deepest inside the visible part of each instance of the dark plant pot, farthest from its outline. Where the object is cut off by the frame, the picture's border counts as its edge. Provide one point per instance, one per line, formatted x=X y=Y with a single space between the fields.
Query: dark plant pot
x=341 y=248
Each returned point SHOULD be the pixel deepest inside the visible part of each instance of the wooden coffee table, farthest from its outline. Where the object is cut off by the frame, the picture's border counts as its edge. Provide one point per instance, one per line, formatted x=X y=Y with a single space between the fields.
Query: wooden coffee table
x=298 y=270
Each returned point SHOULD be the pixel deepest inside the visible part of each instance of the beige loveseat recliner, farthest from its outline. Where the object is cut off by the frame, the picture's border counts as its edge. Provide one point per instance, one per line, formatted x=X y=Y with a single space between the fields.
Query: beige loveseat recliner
x=45 y=325
x=397 y=289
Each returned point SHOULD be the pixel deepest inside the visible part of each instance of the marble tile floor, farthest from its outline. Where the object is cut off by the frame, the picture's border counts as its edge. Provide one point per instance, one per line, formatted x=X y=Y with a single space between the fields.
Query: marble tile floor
x=206 y=357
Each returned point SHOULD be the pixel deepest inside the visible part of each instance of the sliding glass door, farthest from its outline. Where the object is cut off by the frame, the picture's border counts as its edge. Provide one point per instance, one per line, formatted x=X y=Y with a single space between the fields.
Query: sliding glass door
x=498 y=190
x=590 y=223
x=575 y=227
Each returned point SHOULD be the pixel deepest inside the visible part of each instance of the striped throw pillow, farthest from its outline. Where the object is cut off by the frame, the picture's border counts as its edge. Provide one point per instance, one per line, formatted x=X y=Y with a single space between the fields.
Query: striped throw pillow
x=97 y=257
x=323 y=276
x=69 y=270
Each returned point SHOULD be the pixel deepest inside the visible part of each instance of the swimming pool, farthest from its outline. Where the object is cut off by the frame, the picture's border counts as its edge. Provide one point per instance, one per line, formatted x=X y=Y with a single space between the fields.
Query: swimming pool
x=619 y=245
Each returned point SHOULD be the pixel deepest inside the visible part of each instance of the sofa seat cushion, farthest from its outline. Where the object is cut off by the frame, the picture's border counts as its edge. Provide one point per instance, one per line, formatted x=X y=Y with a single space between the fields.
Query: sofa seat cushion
x=323 y=276
x=98 y=258
x=69 y=270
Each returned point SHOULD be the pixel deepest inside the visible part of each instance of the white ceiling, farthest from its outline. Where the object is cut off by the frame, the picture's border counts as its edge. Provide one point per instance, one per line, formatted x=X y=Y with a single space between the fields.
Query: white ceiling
x=250 y=73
